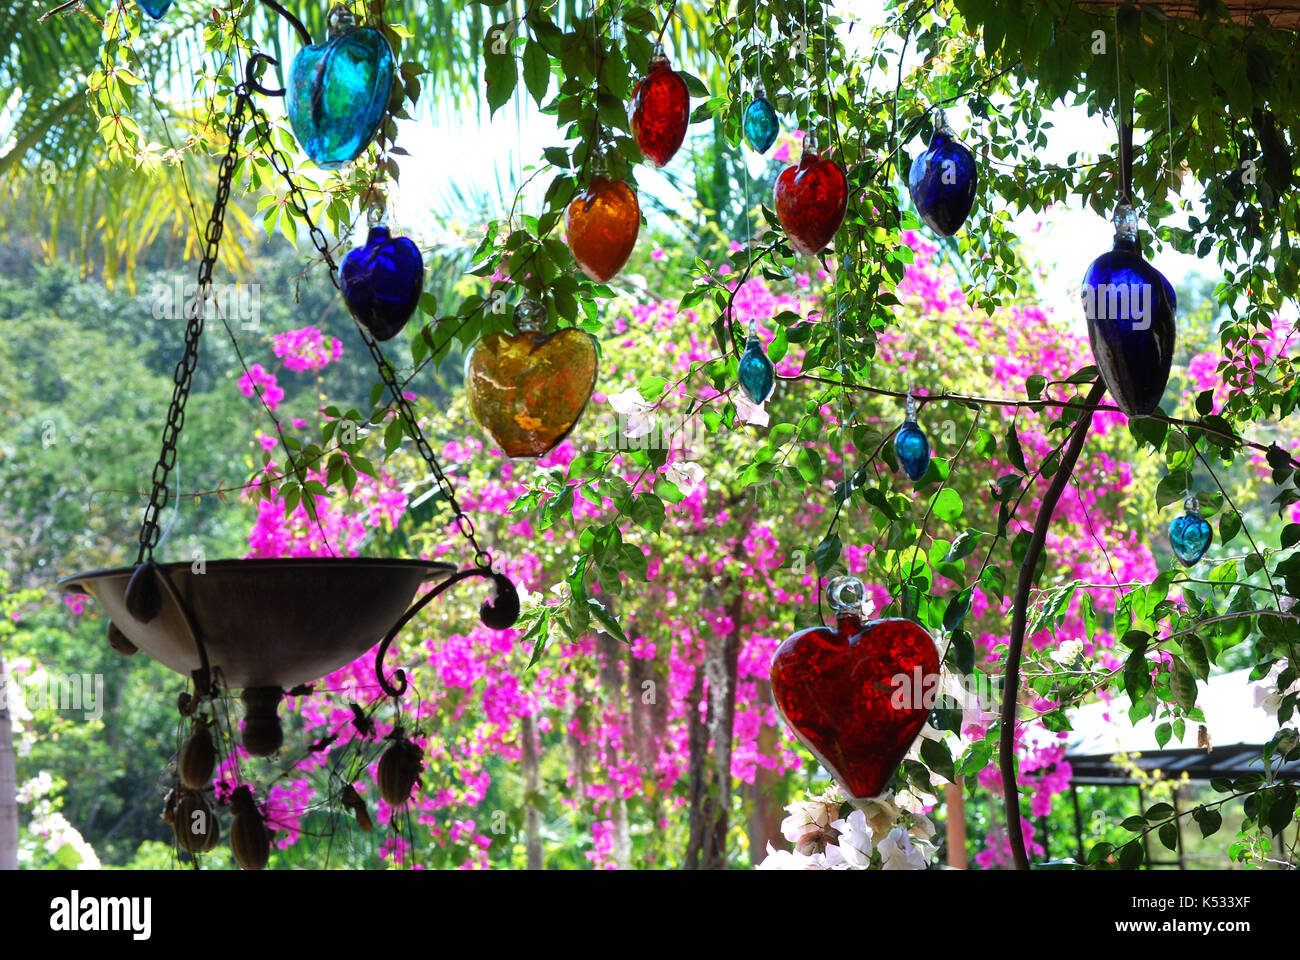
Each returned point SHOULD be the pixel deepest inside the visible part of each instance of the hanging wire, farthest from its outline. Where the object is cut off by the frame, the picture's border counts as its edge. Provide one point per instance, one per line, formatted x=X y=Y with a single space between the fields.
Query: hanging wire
x=1169 y=109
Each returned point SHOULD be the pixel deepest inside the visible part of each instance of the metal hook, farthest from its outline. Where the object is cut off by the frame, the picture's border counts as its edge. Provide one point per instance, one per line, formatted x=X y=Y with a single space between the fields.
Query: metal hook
x=251 y=81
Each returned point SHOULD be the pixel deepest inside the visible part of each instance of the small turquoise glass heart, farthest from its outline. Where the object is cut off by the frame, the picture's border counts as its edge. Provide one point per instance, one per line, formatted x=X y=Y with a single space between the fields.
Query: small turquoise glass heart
x=155 y=8
x=1190 y=535
x=338 y=93
x=761 y=126
x=757 y=375
x=912 y=449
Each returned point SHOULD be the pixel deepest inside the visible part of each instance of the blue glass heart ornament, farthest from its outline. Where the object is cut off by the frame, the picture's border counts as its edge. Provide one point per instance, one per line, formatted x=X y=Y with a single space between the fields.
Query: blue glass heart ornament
x=338 y=92
x=1130 y=308
x=1190 y=534
x=912 y=449
x=382 y=282
x=942 y=181
x=757 y=375
x=761 y=124
x=155 y=8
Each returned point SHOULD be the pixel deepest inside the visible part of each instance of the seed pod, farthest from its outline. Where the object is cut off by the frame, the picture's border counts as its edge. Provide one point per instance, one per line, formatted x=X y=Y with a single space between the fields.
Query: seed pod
x=198 y=757
x=250 y=841
x=399 y=770
x=118 y=641
x=194 y=822
x=169 y=808
x=352 y=802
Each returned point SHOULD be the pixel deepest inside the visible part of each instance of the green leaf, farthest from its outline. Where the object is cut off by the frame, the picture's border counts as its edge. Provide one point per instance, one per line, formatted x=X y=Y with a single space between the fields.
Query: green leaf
x=947 y=505
x=963 y=546
x=938 y=758
x=826 y=553
x=537 y=70
x=957 y=609
x=1183 y=684
x=1168 y=833
x=1014 y=450
x=607 y=621
x=1208 y=820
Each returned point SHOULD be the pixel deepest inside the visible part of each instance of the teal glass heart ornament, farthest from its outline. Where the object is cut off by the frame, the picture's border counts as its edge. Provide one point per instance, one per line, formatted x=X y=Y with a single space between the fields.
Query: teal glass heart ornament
x=155 y=8
x=757 y=375
x=761 y=124
x=338 y=92
x=1190 y=534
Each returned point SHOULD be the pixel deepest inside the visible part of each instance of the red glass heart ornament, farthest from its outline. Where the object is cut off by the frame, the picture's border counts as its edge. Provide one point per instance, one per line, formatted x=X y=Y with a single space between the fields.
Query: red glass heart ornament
x=811 y=199
x=528 y=390
x=602 y=227
x=856 y=694
x=661 y=111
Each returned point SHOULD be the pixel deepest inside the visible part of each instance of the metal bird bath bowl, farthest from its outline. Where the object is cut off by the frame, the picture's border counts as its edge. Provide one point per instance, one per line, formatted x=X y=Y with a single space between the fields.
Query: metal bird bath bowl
x=267 y=623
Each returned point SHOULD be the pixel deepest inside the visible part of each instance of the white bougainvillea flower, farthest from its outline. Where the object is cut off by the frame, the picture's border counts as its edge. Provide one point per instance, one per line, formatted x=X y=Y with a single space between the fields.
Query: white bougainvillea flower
x=787 y=860
x=808 y=826
x=856 y=840
x=747 y=412
x=915 y=801
x=880 y=813
x=685 y=474
x=1067 y=652
x=898 y=852
x=636 y=412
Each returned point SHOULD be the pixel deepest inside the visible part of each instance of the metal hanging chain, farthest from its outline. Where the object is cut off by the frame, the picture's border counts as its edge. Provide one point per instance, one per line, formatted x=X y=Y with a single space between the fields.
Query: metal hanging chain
x=184 y=374
x=278 y=160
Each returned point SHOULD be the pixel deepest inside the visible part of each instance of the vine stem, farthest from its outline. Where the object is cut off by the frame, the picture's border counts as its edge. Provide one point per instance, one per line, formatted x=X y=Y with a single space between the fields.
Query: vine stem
x=1019 y=618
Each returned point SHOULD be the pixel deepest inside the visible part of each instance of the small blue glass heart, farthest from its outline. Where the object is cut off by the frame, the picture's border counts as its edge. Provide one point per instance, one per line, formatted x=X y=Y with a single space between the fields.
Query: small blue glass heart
x=942 y=181
x=1130 y=307
x=761 y=124
x=155 y=8
x=338 y=93
x=1190 y=536
x=912 y=449
x=757 y=375
x=382 y=282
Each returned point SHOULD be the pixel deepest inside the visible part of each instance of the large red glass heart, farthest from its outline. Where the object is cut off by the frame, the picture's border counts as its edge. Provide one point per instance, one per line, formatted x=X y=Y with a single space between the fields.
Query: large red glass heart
x=661 y=111
x=855 y=695
x=528 y=390
x=811 y=200
x=602 y=226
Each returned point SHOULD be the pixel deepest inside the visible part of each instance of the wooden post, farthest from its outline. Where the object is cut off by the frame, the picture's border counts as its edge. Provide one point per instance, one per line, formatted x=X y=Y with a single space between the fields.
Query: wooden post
x=955 y=800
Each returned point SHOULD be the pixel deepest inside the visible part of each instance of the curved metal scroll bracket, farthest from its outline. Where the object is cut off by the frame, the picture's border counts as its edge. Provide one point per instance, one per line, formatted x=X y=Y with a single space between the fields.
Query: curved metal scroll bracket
x=497 y=613
x=250 y=75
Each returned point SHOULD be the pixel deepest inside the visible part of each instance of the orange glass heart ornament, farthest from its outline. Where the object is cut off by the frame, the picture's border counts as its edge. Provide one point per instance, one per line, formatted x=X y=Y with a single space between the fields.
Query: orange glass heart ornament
x=602 y=226
x=527 y=390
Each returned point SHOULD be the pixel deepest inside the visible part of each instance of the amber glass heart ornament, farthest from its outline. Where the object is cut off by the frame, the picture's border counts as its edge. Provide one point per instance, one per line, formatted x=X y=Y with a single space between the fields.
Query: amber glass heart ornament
x=527 y=390
x=660 y=110
x=855 y=693
x=812 y=197
x=602 y=225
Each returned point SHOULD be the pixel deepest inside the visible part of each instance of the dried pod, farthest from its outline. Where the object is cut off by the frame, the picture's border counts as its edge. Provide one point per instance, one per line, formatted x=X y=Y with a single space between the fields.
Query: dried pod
x=118 y=641
x=198 y=757
x=194 y=822
x=352 y=802
x=169 y=808
x=262 y=734
x=250 y=841
x=399 y=769
x=143 y=596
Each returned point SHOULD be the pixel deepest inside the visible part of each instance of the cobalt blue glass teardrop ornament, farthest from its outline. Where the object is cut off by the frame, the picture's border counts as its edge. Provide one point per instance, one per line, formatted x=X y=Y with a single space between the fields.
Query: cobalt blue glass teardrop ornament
x=1190 y=534
x=761 y=125
x=338 y=91
x=382 y=282
x=1130 y=308
x=757 y=375
x=942 y=181
x=155 y=8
